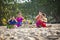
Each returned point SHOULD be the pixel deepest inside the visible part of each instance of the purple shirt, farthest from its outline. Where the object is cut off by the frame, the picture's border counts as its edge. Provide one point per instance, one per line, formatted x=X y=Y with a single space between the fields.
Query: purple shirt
x=19 y=19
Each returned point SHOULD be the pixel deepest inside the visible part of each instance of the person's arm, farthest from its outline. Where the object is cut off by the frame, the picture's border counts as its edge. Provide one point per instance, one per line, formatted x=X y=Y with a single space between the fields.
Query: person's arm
x=44 y=19
x=36 y=16
x=9 y=19
x=15 y=20
x=22 y=17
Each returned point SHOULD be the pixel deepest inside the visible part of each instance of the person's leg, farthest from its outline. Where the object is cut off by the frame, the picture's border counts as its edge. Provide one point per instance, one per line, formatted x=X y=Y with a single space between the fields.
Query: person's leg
x=18 y=24
x=44 y=25
x=38 y=24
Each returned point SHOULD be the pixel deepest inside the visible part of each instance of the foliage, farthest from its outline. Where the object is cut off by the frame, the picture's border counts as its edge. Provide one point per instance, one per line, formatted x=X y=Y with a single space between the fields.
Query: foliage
x=9 y=26
x=30 y=9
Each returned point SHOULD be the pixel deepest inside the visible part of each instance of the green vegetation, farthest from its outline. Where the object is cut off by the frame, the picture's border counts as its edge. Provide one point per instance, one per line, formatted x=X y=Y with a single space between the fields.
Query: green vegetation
x=30 y=9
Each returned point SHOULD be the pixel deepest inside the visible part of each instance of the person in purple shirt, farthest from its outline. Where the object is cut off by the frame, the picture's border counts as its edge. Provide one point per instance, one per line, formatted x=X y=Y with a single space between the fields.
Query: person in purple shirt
x=19 y=19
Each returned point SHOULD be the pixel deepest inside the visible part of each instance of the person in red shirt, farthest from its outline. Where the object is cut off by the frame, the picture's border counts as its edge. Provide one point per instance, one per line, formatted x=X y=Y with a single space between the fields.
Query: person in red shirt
x=41 y=20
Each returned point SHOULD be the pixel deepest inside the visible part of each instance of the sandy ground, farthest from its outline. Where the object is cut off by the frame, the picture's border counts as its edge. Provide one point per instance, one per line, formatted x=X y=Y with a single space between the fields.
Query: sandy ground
x=27 y=33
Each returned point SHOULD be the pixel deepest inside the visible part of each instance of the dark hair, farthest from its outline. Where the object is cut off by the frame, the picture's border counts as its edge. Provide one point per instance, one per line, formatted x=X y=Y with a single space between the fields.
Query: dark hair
x=44 y=14
x=19 y=12
x=41 y=11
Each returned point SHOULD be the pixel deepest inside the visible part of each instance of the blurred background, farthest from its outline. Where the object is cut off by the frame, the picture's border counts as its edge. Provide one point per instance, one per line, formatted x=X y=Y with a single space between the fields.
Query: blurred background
x=29 y=9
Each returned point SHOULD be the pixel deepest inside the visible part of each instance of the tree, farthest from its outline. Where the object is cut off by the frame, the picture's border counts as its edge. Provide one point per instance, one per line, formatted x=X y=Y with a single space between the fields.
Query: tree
x=30 y=9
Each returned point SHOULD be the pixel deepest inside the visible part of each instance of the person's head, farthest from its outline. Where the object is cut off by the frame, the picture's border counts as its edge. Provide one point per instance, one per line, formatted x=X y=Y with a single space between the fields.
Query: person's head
x=40 y=13
x=19 y=14
x=13 y=17
x=43 y=14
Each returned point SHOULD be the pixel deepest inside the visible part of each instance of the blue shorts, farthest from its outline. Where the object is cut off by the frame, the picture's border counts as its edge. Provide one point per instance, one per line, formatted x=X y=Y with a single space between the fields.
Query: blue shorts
x=19 y=23
x=12 y=22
